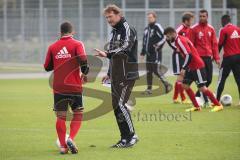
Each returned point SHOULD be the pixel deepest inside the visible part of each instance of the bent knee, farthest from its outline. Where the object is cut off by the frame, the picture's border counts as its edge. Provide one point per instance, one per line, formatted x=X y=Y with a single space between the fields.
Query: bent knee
x=185 y=86
x=202 y=89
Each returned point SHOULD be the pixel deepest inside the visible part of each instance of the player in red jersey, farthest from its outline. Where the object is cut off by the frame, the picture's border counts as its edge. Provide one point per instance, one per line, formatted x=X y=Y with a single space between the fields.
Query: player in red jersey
x=204 y=39
x=184 y=28
x=193 y=69
x=177 y=59
x=65 y=57
x=230 y=41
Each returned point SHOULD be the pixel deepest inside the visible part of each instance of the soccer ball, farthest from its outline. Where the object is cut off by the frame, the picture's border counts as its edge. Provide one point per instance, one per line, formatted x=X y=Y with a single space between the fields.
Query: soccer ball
x=226 y=100
x=200 y=101
x=58 y=142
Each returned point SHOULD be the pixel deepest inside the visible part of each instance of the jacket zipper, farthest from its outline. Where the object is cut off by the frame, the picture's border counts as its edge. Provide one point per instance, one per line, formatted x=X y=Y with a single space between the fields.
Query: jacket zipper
x=147 y=40
x=113 y=41
x=123 y=68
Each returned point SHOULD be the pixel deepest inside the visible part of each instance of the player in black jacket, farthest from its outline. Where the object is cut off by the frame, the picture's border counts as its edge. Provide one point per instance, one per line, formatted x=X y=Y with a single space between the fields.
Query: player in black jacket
x=122 y=52
x=153 y=41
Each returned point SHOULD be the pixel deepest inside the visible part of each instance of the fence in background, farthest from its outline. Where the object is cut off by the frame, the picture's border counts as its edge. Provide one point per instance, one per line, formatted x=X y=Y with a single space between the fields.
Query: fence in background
x=27 y=27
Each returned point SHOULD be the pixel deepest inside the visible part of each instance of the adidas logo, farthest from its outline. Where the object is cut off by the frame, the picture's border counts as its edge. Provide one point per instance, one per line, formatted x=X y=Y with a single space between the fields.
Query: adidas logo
x=209 y=33
x=63 y=53
x=200 y=35
x=235 y=35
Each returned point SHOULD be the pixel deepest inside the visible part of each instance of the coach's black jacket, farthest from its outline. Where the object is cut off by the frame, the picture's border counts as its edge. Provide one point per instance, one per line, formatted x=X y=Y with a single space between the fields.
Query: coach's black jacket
x=153 y=36
x=122 y=52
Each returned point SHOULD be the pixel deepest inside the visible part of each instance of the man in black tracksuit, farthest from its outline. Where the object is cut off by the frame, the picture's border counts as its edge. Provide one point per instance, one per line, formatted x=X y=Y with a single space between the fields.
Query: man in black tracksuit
x=122 y=52
x=153 y=41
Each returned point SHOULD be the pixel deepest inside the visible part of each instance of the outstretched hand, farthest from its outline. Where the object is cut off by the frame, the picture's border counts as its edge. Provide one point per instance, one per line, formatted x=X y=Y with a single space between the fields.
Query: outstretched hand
x=100 y=53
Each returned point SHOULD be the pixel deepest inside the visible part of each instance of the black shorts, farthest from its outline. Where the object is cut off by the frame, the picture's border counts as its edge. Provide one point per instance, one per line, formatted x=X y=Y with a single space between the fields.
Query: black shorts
x=198 y=76
x=177 y=62
x=62 y=101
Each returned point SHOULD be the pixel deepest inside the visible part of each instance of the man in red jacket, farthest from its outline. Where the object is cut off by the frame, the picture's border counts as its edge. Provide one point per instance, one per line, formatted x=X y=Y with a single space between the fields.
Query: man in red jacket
x=184 y=28
x=230 y=41
x=193 y=69
x=65 y=57
x=204 y=39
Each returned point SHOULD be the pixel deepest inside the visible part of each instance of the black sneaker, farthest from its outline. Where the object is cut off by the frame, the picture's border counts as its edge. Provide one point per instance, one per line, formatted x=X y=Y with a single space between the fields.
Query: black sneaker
x=168 y=87
x=120 y=144
x=72 y=146
x=132 y=141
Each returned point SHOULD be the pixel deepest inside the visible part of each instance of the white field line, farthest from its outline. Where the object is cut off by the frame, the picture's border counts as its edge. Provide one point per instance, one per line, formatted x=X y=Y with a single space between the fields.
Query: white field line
x=24 y=75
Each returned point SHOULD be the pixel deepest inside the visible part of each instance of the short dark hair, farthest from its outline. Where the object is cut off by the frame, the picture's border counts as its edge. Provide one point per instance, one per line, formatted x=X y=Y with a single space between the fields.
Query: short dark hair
x=226 y=18
x=187 y=16
x=66 y=27
x=169 y=30
x=203 y=11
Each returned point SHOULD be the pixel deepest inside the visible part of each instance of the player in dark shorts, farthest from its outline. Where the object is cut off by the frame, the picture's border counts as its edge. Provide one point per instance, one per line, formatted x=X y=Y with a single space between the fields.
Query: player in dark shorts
x=177 y=59
x=192 y=70
x=67 y=59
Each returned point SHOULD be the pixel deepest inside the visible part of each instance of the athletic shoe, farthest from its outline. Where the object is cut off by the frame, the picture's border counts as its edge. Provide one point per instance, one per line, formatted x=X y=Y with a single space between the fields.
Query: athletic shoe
x=63 y=150
x=168 y=87
x=72 y=146
x=186 y=101
x=147 y=92
x=176 y=101
x=193 y=109
x=123 y=143
x=129 y=107
x=120 y=144
x=212 y=105
x=132 y=141
x=217 y=108
x=135 y=136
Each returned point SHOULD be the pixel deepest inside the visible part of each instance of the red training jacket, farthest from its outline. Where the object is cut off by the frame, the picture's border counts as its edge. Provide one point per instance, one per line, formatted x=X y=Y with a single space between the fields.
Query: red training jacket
x=186 y=48
x=203 y=37
x=229 y=39
x=183 y=30
x=63 y=57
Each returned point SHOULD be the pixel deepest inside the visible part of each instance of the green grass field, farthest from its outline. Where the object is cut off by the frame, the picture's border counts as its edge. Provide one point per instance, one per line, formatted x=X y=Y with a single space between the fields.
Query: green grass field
x=27 y=128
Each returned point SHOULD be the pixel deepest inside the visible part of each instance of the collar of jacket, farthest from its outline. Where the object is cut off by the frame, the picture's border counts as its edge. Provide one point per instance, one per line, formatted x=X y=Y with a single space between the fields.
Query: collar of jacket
x=120 y=23
x=184 y=25
x=66 y=37
x=228 y=24
x=203 y=24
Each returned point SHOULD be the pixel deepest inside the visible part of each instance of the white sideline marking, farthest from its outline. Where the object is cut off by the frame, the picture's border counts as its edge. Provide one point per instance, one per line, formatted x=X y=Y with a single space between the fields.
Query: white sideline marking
x=23 y=75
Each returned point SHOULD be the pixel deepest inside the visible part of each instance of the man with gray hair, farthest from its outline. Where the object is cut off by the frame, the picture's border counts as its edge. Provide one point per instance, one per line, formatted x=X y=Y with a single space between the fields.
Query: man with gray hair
x=122 y=52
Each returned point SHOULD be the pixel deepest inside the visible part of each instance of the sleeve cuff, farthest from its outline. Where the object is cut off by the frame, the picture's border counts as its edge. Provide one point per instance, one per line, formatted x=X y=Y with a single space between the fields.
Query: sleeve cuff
x=109 y=55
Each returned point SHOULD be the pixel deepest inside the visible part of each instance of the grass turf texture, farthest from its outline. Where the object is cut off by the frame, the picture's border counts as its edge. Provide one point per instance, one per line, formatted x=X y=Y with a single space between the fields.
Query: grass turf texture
x=27 y=128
